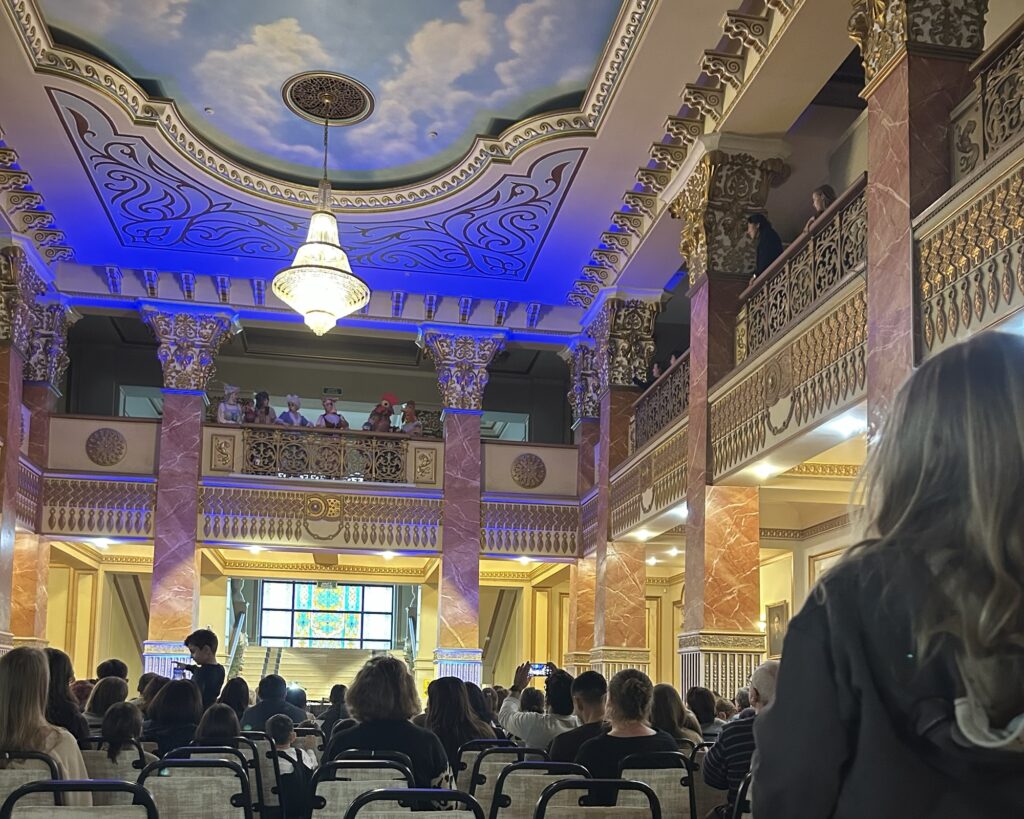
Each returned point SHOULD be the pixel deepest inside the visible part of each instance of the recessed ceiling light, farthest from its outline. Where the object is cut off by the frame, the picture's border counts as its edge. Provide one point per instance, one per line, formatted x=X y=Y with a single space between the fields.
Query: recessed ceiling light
x=652 y=561
x=764 y=470
x=101 y=543
x=432 y=134
x=254 y=549
x=388 y=555
x=673 y=552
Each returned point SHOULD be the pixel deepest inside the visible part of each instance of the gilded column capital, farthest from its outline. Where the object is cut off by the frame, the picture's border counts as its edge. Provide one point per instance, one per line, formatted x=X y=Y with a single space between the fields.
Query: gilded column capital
x=585 y=385
x=623 y=333
x=188 y=343
x=713 y=205
x=46 y=357
x=885 y=29
x=461 y=358
x=19 y=289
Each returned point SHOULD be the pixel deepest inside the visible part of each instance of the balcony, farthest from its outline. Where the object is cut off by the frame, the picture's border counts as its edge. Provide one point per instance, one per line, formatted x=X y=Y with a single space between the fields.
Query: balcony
x=663 y=403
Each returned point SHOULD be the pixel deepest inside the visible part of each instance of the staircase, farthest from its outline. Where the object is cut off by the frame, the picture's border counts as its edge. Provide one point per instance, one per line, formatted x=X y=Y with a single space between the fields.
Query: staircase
x=314 y=669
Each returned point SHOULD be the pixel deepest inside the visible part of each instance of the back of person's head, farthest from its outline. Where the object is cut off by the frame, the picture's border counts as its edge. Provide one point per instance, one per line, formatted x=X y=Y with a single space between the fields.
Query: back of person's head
x=630 y=693
x=532 y=700
x=122 y=723
x=280 y=729
x=558 y=692
x=338 y=694
x=272 y=687
x=826 y=193
x=153 y=687
x=449 y=710
x=742 y=698
x=762 y=684
x=343 y=725
x=490 y=698
x=702 y=702
x=760 y=220
x=178 y=703
x=219 y=724
x=108 y=691
x=500 y=693
x=202 y=638
x=24 y=680
x=590 y=688
x=296 y=696
x=59 y=698
x=478 y=703
x=112 y=668
x=144 y=680
x=235 y=695
x=724 y=709
x=668 y=713
x=81 y=690
x=383 y=690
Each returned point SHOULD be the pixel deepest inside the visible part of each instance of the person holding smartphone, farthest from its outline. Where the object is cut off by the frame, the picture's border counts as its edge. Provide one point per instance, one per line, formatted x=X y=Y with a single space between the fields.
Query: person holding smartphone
x=207 y=673
x=537 y=730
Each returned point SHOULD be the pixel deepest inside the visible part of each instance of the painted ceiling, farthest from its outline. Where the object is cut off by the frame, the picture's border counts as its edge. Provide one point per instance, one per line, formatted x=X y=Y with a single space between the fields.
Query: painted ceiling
x=441 y=71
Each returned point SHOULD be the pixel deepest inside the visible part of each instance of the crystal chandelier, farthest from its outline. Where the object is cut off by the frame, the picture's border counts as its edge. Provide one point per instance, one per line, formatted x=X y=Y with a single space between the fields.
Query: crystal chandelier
x=320 y=284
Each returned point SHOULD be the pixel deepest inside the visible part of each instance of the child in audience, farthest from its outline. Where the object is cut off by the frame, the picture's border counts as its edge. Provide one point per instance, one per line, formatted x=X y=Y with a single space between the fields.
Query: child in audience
x=207 y=673
x=281 y=729
x=296 y=766
x=122 y=723
x=531 y=701
x=107 y=692
x=63 y=707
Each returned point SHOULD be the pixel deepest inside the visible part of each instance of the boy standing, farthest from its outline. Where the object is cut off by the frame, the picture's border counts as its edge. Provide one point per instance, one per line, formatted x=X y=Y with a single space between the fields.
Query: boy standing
x=207 y=673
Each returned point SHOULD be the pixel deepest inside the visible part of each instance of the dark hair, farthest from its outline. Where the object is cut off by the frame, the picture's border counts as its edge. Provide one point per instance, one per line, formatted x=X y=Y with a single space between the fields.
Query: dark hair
x=144 y=680
x=558 y=692
x=383 y=689
x=112 y=668
x=108 y=691
x=179 y=702
x=531 y=700
x=80 y=691
x=121 y=723
x=201 y=639
x=701 y=701
x=490 y=699
x=590 y=686
x=272 y=687
x=279 y=728
x=742 y=698
x=760 y=220
x=296 y=696
x=630 y=693
x=449 y=715
x=343 y=725
x=262 y=395
x=235 y=695
x=153 y=687
x=338 y=694
x=668 y=713
x=478 y=703
x=61 y=706
x=219 y=724
x=724 y=706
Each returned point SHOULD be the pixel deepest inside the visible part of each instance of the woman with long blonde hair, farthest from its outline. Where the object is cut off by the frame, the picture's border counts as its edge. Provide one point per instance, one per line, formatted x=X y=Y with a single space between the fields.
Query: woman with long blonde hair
x=24 y=680
x=901 y=691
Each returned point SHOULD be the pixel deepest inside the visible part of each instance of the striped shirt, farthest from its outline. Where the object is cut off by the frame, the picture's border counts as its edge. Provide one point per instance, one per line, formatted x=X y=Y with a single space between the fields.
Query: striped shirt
x=728 y=760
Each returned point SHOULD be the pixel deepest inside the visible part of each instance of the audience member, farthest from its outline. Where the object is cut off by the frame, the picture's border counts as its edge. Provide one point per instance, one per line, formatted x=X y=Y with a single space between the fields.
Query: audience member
x=630 y=695
x=62 y=707
x=383 y=698
x=24 y=683
x=769 y=245
x=668 y=714
x=537 y=730
x=337 y=711
x=478 y=704
x=728 y=760
x=112 y=668
x=108 y=691
x=725 y=709
x=500 y=693
x=235 y=695
x=153 y=687
x=281 y=729
x=80 y=691
x=295 y=767
x=742 y=701
x=219 y=726
x=207 y=673
x=450 y=717
x=121 y=725
x=490 y=699
x=296 y=695
x=701 y=701
x=144 y=680
x=271 y=700
x=590 y=698
x=173 y=716
x=821 y=199
x=900 y=690
x=531 y=701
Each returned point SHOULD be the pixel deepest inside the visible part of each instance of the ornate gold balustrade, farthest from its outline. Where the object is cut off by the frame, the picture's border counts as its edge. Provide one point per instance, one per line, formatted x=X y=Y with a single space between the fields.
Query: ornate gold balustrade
x=662 y=404
x=325 y=454
x=808 y=272
x=990 y=121
x=649 y=485
x=588 y=524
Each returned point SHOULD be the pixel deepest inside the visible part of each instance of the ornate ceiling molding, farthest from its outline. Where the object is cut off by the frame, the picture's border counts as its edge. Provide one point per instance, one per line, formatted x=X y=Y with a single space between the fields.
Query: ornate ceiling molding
x=165 y=116
x=830 y=525
x=26 y=210
x=820 y=470
x=461 y=359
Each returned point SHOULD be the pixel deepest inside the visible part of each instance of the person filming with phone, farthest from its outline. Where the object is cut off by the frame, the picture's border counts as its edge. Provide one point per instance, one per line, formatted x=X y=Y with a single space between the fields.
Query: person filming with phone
x=537 y=730
x=207 y=673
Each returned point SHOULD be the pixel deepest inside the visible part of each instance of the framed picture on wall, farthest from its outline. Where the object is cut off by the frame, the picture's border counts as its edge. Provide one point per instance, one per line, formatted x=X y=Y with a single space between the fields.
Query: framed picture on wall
x=776 y=617
x=818 y=564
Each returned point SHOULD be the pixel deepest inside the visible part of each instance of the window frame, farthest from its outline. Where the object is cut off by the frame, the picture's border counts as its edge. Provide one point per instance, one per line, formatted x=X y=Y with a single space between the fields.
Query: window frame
x=363 y=642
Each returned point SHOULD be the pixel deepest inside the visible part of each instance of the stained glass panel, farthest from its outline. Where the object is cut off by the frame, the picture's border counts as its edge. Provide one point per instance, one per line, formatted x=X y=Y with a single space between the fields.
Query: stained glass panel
x=277 y=595
x=326 y=615
x=304 y=595
x=376 y=626
x=276 y=623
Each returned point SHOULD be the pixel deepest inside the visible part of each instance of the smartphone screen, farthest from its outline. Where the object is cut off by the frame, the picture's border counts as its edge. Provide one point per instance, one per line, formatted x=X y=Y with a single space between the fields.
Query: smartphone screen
x=538 y=669
x=178 y=674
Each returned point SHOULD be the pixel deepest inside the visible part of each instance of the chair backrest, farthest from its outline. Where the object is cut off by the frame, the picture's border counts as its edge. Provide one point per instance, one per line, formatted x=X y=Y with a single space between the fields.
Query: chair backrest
x=125 y=767
x=138 y=805
x=705 y=796
x=743 y=807
x=311 y=739
x=196 y=788
x=427 y=797
x=463 y=765
x=390 y=756
x=244 y=755
x=597 y=798
x=520 y=785
x=488 y=765
x=669 y=776
x=337 y=784
x=24 y=767
x=270 y=768
x=131 y=746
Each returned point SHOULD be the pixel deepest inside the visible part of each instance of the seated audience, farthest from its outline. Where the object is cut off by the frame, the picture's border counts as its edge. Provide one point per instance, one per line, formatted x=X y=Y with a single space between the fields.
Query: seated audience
x=383 y=698
x=742 y=702
x=500 y=693
x=271 y=700
x=207 y=673
x=490 y=699
x=531 y=701
x=589 y=698
x=701 y=701
x=725 y=709
x=108 y=691
x=80 y=691
x=281 y=729
x=337 y=711
x=295 y=766
x=297 y=696
x=768 y=243
x=62 y=708
x=537 y=730
x=728 y=760
x=112 y=668
x=235 y=695
x=668 y=714
x=900 y=689
x=479 y=706
x=173 y=716
x=449 y=716
x=121 y=725
x=24 y=683
x=821 y=198
x=153 y=687
x=144 y=680
x=630 y=695
x=219 y=726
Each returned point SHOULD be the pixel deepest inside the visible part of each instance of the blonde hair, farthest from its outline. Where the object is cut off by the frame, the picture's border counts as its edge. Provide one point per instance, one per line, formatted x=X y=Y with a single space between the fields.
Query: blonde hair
x=383 y=689
x=24 y=680
x=630 y=696
x=941 y=488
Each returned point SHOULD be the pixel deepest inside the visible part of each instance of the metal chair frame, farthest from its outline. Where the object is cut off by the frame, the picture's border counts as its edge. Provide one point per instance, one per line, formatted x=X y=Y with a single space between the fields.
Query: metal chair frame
x=242 y=800
x=743 y=805
x=661 y=760
x=520 y=752
x=591 y=785
x=247 y=764
x=500 y=800
x=327 y=771
x=138 y=764
x=416 y=796
x=140 y=796
x=38 y=756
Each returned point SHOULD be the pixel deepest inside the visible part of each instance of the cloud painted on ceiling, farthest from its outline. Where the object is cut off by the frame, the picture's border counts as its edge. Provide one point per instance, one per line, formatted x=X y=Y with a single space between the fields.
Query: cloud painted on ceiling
x=440 y=70
x=152 y=204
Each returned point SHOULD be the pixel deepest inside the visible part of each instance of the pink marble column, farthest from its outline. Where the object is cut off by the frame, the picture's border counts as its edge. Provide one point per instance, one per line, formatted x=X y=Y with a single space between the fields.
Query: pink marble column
x=587 y=436
x=582 y=579
x=29 y=598
x=11 y=364
x=41 y=400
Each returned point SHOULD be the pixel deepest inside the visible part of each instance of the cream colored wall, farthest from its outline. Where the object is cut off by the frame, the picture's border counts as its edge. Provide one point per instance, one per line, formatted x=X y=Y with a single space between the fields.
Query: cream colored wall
x=776 y=582
x=849 y=159
x=819 y=550
x=213 y=610
x=83 y=619
x=68 y=435
x=116 y=639
x=1001 y=15
x=58 y=598
x=663 y=616
x=561 y=464
x=427 y=637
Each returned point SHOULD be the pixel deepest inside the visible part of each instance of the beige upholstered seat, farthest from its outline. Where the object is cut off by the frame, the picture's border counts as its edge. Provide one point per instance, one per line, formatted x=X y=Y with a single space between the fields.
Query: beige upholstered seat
x=550 y=804
x=338 y=783
x=383 y=805
x=24 y=802
x=706 y=796
x=198 y=789
x=96 y=812
x=22 y=771
x=126 y=768
x=462 y=767
x=489 y=764
x=520 y=785
x=270 y=770
x=668 y=775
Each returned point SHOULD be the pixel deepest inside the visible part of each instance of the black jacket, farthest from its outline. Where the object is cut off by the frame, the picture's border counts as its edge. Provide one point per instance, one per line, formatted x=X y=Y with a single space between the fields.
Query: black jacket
x=769 y=248
x=858 y=727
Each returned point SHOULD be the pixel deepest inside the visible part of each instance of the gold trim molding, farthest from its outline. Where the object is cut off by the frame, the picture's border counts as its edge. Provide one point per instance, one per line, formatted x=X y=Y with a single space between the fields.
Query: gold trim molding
x=830 y=525
x=722 y=641
x=817 y=470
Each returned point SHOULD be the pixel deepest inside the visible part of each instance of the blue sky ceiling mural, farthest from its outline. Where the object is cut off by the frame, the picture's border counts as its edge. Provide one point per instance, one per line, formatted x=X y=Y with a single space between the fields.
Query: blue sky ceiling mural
x=441 y=71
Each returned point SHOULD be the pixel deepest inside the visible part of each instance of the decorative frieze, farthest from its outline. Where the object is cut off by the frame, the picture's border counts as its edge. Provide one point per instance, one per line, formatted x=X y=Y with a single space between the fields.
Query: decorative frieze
x=650 y=485
x=188 y=344
x=721 y=661
x=20 y=288
x=589 y=533
x=749 y=30
x=98 y=508
x=528 y=470
x=530 y=528
x=26 y=209
x=461 y=359
x=623 y=332
x=725 y=67
x=706 y=100
x=324 y=454
x=106 y=446
x=30 y=489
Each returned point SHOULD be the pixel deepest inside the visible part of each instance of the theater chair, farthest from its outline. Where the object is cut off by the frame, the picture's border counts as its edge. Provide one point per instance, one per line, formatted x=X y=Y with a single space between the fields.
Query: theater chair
x=669 y=775
x=198 y=789
x=25 y=767
x=337 y=784
x=23 y=804
x=591 y=790
x=520 y=785
x=436 y=802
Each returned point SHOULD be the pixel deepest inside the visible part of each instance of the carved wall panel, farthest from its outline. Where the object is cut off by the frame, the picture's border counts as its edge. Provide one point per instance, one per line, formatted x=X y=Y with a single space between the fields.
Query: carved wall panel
x=461 y=361
x=333 y=454
x=585 y=389
x=588 y=525
x=26 y=209
x=188 y=344
x=650 y=485
x=20 y=287
x=98 y=508
x=530 y=528
x=30 y=490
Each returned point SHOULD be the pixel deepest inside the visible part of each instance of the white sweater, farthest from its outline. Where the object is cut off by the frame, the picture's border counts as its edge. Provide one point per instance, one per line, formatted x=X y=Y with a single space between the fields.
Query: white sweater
x=536 y=730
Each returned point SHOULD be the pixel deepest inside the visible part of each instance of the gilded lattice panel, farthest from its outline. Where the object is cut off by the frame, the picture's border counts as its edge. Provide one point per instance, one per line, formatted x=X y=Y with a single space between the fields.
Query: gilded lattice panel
x=588 y=524
x=98 y=507
x=650 y=485
x=530 y=528
x=30 y=485
x=664 y=403
x=334 y=454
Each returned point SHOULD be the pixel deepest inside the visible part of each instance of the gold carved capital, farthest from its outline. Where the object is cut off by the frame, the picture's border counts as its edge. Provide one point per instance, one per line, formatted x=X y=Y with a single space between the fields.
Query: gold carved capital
x=461 y=360
x=623 y=333
x=19 y=289
x=188 y=344
x=46 y=354
x=585 y=384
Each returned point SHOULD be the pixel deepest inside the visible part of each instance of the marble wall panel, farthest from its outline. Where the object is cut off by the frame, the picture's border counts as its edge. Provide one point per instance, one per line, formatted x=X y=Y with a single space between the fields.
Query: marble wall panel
x=587 y=436
x=582 y=577
x=29 y=588
x=41 y=400
x=11 y=365
x=620 y=608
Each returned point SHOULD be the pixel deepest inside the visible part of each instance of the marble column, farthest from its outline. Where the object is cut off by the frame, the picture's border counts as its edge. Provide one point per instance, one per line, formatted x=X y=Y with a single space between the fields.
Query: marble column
x=582 y=579
x=461 y=358
x=31 y=576
x=917 y=72
x=188 y=344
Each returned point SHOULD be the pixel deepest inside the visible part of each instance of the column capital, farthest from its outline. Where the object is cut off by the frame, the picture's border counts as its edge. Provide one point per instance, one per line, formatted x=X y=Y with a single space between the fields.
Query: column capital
x=461 y=356
x=188 y=343
x=46 y=358
x=886 y=29
x=623 y=333
x=585 y=386
x=723 y=189
x=20 y=286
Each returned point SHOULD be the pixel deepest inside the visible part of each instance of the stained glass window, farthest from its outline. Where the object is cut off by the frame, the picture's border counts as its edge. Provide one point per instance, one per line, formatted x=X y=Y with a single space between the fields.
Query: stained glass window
x=305 y=614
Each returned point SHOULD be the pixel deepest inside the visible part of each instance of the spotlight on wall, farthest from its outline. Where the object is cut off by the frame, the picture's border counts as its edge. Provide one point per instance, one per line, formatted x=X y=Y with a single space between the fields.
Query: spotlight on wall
x=101 y=542
x=764 y=470
x=761 y=625
x=254 y=550
x=682 y=511
x=673 y=552
x=643 y=535
x=652 y=561
x=389 y=555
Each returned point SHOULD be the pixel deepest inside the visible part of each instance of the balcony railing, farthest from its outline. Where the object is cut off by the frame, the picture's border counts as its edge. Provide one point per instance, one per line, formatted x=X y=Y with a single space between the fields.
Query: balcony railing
x=810 y=270
x=339 y=455
x=663 y=403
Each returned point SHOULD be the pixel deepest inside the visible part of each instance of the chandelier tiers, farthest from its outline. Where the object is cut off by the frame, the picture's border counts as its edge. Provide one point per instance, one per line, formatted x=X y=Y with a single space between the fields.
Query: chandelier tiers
x=320 y=284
